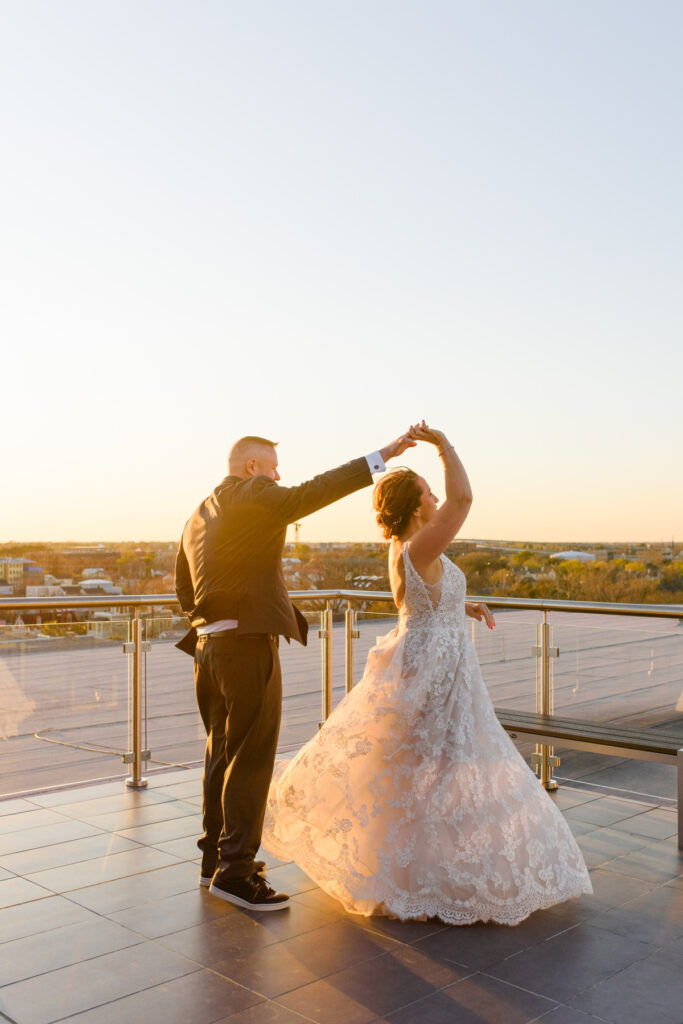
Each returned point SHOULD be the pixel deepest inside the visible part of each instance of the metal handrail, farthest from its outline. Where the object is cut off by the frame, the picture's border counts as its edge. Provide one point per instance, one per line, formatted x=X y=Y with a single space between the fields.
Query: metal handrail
x=668 y=611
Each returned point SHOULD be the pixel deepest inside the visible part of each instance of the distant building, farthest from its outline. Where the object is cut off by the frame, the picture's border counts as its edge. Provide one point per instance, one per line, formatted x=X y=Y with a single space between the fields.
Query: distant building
x=72 y=561
x=12 y=569
x=44 y=590
x=99 y=587
x=573 y=556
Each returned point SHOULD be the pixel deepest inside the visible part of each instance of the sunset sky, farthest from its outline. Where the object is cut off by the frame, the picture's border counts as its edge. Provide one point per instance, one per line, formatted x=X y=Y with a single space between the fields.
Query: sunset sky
x=322 y=221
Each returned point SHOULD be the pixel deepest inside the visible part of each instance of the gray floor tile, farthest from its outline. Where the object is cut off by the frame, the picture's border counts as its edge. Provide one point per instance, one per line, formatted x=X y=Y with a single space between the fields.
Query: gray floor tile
x=102 y=869
x=18 y=890
x=565 y=797
x=568 y=1015
x=144 y=815
x=605 y=811
x=403 y=931
x=653 y=824
x=92 y=983
x=581 y=828
x=40 y=916
x=185 y=848
x=605 y=844
x=478 y=946
x=265 y=1013
x=613 y=890
x=373 y=989
x=656 y=917
x=290 y=879
x=648 y=992
x=44 y=858
x=113 y=803
x=197 y=998
x=658 y=863
x=477 y=999
x=16 y=806
x=29 y=819
x=78 y=794
x=181 y=790
x=236 y=935
x=327 y=906
x=49 y=835
x=164 y=831
x=174 y=913
x=283 y=966
x=136 y=890
x=571 y=962
x=35 y=954
x=4 y=873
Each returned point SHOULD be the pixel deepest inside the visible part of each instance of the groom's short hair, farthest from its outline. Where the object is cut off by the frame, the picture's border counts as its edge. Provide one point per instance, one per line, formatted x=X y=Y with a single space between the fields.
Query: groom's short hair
x=241 y=448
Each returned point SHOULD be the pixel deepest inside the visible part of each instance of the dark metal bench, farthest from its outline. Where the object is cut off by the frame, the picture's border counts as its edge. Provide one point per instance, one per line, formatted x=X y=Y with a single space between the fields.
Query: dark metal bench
x=641 y=744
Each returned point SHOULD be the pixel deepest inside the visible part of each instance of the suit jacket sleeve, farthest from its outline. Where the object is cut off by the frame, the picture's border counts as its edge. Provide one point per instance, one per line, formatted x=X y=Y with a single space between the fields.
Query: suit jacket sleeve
x=183 y=581
x=291 y=503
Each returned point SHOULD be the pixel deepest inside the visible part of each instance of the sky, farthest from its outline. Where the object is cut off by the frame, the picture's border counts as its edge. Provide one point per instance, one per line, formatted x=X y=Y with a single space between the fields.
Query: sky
x=320 y=222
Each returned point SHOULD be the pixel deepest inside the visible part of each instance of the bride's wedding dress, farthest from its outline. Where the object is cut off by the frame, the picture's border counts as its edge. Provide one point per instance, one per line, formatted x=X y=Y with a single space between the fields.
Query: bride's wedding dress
x=412 y=801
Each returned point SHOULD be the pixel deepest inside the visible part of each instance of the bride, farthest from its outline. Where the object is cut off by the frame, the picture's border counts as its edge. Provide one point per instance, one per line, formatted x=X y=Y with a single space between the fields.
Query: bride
x=411 y=801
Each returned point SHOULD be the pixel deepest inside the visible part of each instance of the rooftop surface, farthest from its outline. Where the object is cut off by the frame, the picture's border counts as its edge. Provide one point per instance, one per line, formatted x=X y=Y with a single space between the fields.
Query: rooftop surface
x=103 y=921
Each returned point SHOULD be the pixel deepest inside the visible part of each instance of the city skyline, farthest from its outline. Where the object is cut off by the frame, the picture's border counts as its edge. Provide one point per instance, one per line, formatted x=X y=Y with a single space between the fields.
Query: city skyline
x=321 y=224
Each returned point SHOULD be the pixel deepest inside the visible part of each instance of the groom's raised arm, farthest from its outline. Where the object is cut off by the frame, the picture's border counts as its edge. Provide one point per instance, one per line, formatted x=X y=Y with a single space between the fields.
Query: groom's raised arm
x=291 y=503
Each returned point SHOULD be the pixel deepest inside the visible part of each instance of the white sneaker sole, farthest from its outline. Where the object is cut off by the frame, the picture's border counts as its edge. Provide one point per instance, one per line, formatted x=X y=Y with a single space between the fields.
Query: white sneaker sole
x=245 y=904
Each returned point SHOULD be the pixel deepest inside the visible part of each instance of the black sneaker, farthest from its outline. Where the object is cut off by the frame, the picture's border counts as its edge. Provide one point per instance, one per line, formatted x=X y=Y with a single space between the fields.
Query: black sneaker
x=210 y=863
x=250 y=893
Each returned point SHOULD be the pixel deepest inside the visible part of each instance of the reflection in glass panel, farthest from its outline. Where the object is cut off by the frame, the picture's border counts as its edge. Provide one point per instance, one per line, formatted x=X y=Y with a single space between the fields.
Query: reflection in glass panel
x=626 y=671
x=63 y=699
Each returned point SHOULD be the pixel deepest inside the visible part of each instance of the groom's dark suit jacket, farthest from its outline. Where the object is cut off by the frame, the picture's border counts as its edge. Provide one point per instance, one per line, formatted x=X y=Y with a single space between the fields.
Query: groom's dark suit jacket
x=229 y=563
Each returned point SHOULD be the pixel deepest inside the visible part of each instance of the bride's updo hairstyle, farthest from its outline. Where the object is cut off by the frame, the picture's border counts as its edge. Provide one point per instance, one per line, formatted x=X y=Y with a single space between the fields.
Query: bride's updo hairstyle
x=395 y=498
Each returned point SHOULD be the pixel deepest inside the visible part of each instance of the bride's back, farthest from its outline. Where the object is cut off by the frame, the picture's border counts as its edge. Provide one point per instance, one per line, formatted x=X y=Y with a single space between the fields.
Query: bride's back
x=397 y=571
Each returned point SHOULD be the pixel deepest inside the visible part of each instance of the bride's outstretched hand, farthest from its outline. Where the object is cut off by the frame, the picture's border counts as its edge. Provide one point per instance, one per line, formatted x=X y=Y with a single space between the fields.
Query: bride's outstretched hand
x=397 y=447
x=478 y=610
x=422 y=432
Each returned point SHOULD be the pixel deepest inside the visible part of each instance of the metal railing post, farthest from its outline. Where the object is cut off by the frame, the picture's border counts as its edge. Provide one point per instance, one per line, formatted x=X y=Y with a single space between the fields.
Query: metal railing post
x=544 y=758
x=351 y=634
x=325 y=634
x=135 y=779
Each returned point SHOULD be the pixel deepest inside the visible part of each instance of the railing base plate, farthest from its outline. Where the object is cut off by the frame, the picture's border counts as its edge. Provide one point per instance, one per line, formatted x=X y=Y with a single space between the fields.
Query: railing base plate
x=136 y=783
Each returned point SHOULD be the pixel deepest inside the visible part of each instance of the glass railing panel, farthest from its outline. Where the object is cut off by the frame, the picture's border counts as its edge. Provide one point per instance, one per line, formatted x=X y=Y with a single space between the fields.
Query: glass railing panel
x=302 y=677
x=63 y=699
x=619 y=670
x=372 y=623
x=174 y=730
x=508 y=664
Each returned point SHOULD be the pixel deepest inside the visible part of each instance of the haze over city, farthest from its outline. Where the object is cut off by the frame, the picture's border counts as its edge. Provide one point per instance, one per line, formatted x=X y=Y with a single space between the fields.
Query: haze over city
x=320 y=223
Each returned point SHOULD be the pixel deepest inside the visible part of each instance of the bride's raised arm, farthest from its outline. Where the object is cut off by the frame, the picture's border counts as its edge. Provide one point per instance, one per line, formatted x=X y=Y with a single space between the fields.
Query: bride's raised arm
x=432 y=539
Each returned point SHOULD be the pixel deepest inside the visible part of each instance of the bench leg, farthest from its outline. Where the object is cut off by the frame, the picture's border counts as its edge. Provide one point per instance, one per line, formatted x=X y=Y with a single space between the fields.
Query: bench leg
x=679 y=765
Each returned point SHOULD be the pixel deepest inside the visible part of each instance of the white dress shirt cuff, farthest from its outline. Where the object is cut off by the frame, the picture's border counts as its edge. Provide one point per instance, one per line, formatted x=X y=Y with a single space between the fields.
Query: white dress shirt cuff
x=375 y=463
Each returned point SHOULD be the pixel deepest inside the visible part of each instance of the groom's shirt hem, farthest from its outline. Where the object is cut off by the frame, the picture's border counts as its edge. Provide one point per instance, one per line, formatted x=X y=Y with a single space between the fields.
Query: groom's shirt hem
x=215 y=627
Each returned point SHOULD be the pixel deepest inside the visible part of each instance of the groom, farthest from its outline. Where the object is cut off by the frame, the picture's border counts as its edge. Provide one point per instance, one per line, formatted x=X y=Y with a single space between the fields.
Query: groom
x=229 y=582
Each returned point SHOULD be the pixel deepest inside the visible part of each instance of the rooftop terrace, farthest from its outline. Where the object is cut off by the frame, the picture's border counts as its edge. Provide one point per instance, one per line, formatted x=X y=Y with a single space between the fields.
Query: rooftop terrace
x=102 y=920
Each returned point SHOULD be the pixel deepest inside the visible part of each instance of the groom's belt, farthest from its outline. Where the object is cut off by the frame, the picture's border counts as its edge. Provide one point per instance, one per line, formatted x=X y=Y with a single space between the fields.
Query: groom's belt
x=232 y=632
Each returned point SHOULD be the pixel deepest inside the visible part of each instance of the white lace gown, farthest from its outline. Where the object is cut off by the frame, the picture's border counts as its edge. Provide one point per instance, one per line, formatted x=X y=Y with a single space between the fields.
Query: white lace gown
x=412 y=801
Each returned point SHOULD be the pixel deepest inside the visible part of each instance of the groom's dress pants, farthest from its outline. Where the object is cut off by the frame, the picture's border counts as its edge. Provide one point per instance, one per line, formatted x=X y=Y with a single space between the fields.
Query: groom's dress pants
x=239 y=692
